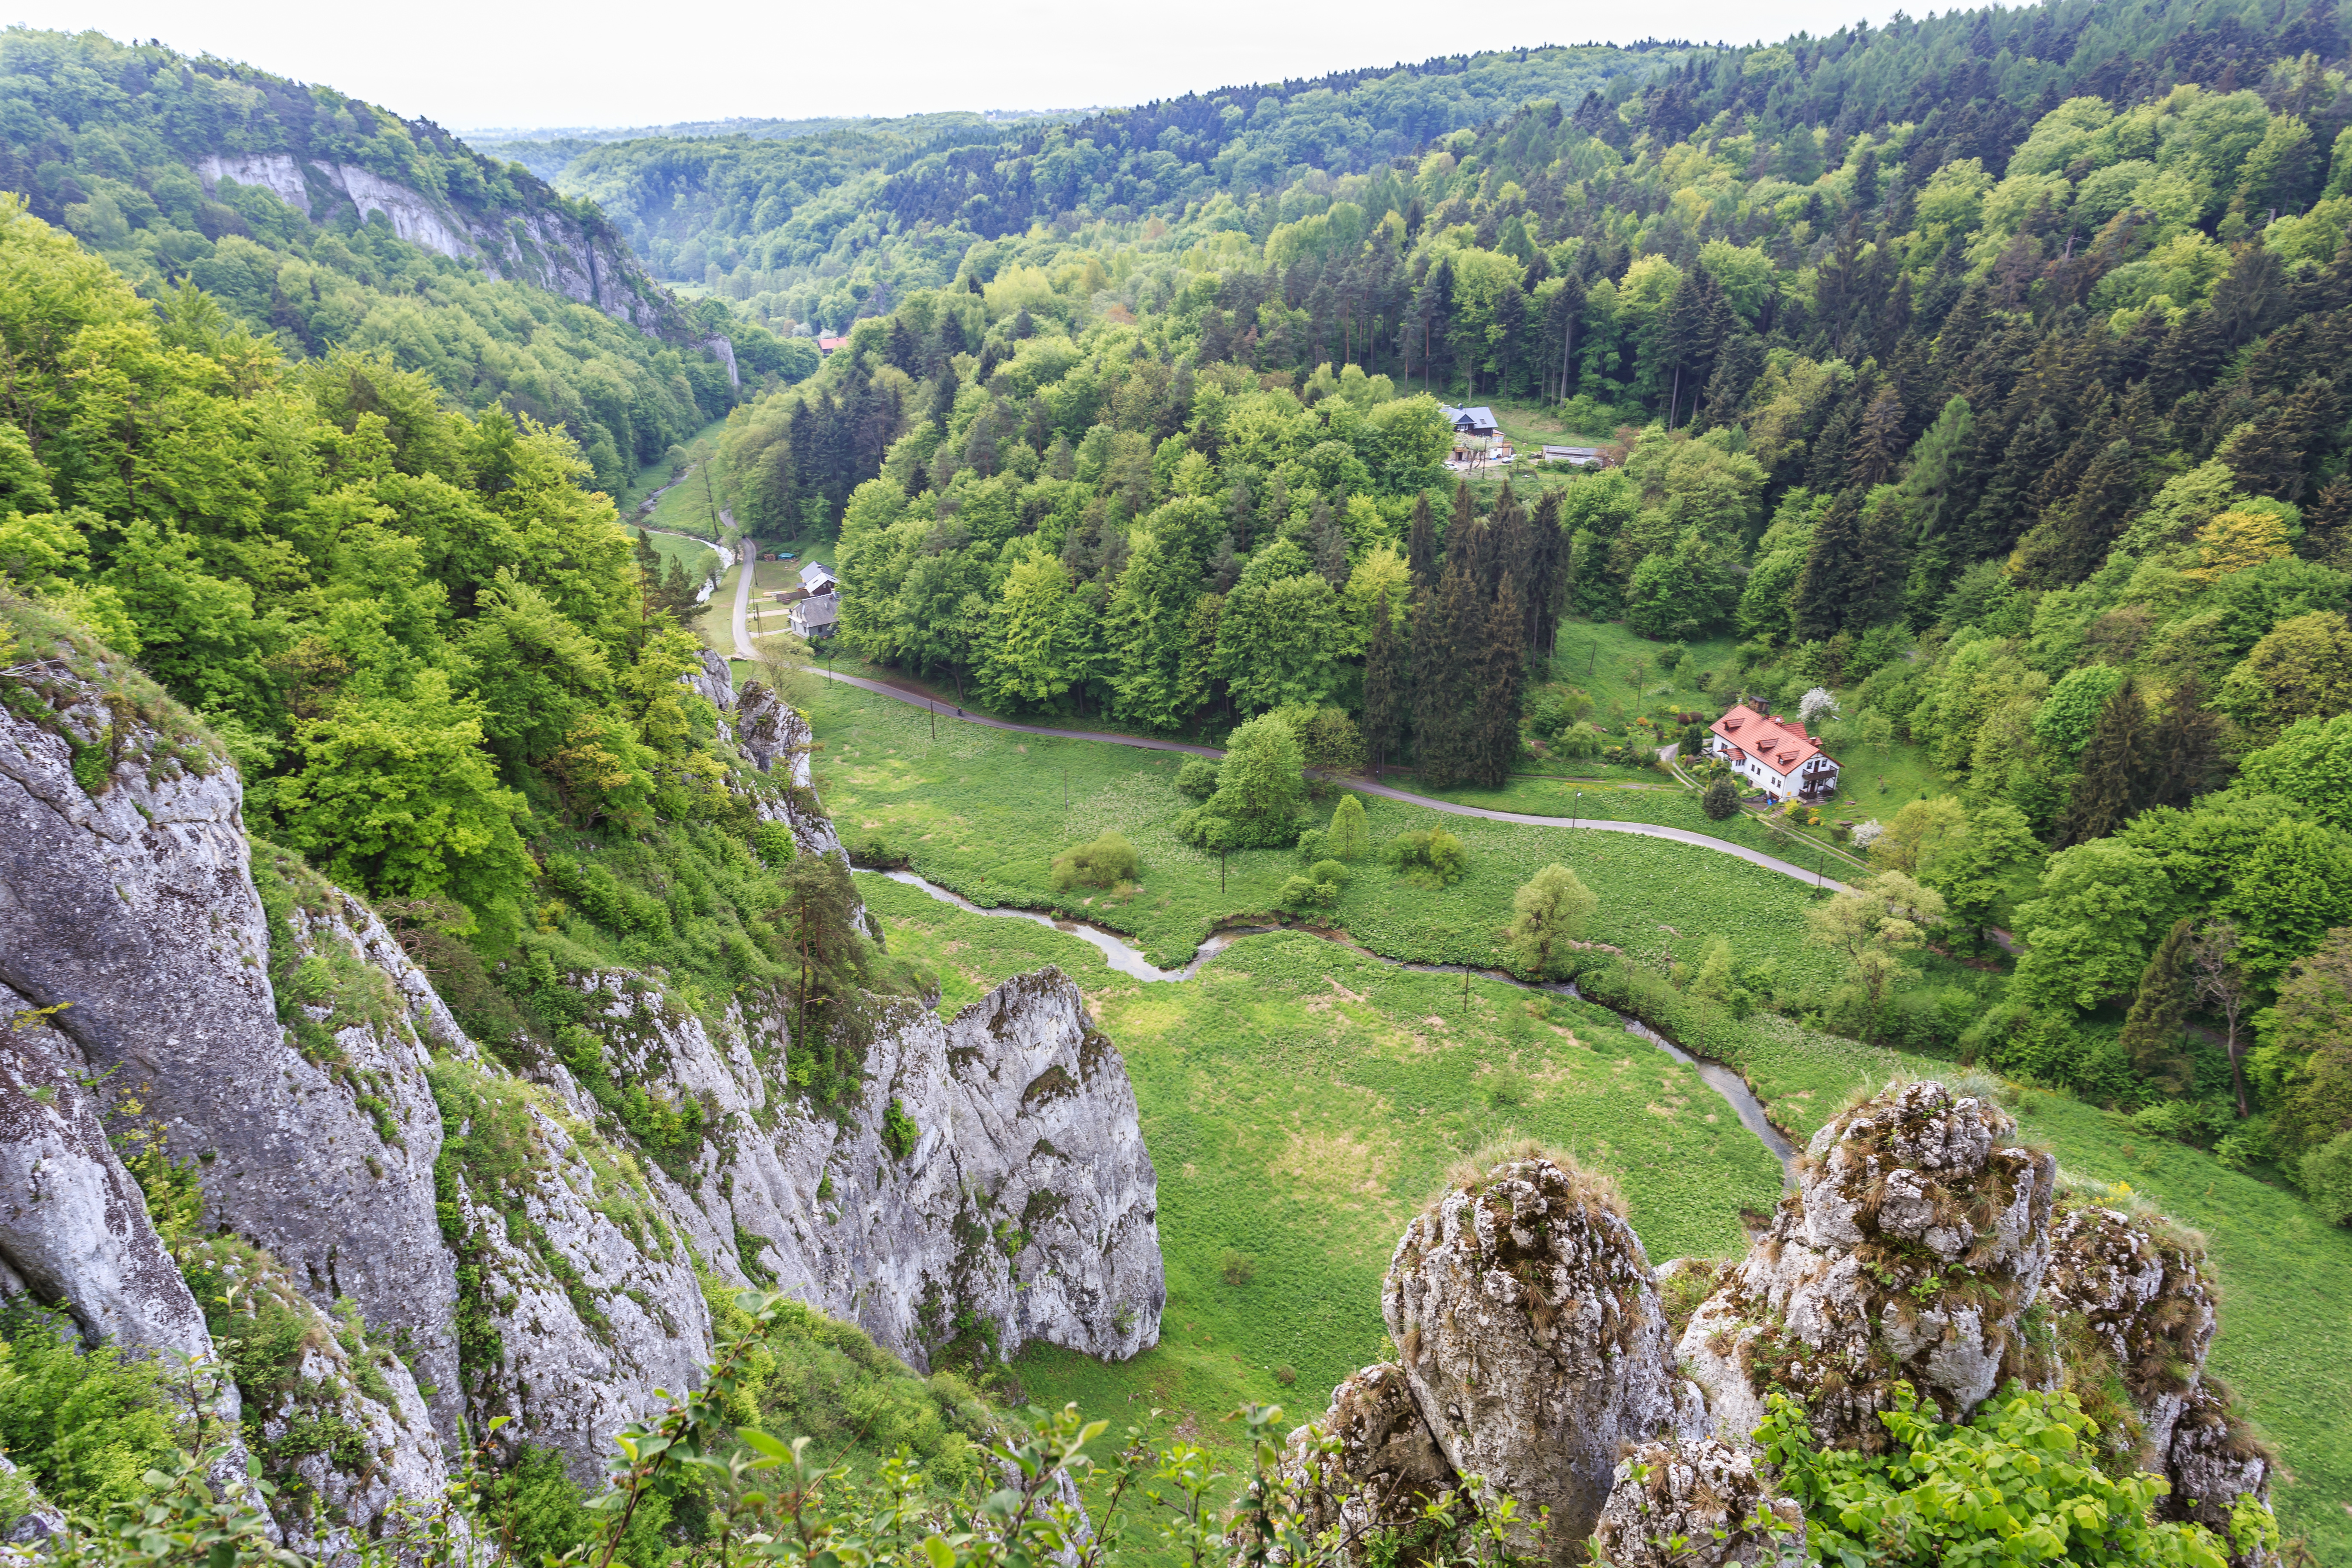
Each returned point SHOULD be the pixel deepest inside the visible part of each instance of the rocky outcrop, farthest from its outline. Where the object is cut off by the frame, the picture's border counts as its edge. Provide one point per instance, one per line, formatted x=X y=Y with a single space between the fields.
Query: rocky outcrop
x=2212 y=1462
x=544 y=243
x=1528 y=1325
x=135 y=908
x=1915 y=1242
x=1369 y=1467
x=27 y=1518
x=1681 y=1505
x=2140 y=1292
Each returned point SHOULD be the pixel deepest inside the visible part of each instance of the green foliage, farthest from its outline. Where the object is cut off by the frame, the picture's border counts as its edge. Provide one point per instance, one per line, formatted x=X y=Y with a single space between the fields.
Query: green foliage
x=2018 y=1477
x=87 y=1424
x=1197 y=778
x=899 y=1129
x=1430 y=856
x=1549 y=915
x=1103 y=862
x=2326 y=1173
x=1350 y=836
x=1258 y=787
x=1720 y=801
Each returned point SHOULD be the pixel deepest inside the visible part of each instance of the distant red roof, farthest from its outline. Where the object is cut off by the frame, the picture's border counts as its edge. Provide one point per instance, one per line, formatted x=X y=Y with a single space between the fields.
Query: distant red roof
x=1780 y=744
x=827 y=345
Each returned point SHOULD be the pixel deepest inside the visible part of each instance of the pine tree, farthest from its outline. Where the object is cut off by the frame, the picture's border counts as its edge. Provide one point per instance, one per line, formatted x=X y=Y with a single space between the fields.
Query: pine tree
x=2159 y=1012
x=1495 y=726
x=2113 y=780
x=1459 y=528
x=1876 y=447
x=1384 y=685
x=1832 y=566
x=1547 y=584
x=1449 y=636
x=2186 y=757
x=1420 y=545
x=1330 y=545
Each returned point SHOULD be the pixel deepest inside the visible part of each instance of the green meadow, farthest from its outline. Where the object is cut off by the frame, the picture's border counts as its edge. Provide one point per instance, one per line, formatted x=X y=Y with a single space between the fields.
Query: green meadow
x=1302 y=1101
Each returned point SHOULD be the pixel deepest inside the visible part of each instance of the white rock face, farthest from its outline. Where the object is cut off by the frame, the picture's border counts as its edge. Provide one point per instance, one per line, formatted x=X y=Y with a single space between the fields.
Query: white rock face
x=1528 y=1323
x=1912 y=1250
x=138 y=908
x=553 y=251
x=2212 y=1463
x=1696 y=1505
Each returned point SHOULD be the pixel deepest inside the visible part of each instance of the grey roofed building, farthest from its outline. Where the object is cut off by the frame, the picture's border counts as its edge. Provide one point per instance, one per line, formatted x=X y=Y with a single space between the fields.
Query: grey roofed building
x=815 y=617
x=1478 y=421
x=816 y=579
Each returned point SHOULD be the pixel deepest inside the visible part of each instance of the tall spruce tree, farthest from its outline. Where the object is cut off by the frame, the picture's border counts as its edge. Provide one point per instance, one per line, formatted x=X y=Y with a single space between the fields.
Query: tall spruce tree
x=1502 y=687
x=1449 y=636
x=2113 y=780
x=1833 y=564
x=2159 y=1012
x=1385 y=683
x=2185 y=756
x=1420 y=545
x=1547 y=586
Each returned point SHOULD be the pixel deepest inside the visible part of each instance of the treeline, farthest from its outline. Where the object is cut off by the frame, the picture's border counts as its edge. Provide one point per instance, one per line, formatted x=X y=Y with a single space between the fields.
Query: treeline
x=107 y=140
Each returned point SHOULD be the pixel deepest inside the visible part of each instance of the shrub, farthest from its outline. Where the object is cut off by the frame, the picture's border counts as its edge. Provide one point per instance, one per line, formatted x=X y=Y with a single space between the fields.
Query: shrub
x=1104 y=862
x=898 y=1130
x=1237 y=1268
x=1321 y=886
x=1258 y=787
x=2328 y=1177
x=1350 y=835
x=1285 y=1374
x=1314 y=845
x=1720 y=800
x=1578 y=742
x=1431 y=855
x=88 y=1425
x=1197 y=779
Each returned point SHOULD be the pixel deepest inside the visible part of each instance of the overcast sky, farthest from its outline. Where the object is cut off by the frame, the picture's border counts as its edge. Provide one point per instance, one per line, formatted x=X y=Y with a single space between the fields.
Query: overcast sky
x=472 y=65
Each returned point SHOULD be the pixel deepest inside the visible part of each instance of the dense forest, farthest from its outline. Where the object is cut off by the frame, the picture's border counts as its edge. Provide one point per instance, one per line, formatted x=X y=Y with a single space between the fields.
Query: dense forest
x=2016 y=429
x=824 y=229
x=110 y=142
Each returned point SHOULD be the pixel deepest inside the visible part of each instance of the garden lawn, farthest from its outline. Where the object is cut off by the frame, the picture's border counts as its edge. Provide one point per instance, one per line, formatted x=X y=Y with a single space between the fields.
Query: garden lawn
x=1301 y=1103
x=984 y=811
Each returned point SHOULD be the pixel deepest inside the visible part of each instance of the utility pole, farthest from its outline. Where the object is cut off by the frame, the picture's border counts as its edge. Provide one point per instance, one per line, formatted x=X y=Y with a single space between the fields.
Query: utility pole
x=935 y=719
x=1220 y=873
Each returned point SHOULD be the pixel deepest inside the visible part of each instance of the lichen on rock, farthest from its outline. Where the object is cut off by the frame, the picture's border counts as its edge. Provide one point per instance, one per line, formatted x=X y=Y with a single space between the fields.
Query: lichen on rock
x=1528 y=1324
x=1369 y=1467
x=1912 y=1250
x=2133 y=1300
x=1699 y=1504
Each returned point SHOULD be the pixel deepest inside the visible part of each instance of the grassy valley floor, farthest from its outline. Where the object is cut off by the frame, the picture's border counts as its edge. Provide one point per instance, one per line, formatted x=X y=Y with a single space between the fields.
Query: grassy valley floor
x=1302 y=1101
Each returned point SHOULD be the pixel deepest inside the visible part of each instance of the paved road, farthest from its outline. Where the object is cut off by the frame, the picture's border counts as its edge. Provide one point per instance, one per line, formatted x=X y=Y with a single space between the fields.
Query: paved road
x=750 y=555
x=1451 y=808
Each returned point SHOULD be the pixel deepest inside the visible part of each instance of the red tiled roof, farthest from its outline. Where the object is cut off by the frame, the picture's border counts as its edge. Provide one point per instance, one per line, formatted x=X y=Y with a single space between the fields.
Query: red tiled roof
x=1780 y=743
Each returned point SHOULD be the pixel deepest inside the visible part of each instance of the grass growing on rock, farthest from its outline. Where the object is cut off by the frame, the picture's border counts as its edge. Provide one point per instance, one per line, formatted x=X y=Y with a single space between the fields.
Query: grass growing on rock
x=1301 y=1102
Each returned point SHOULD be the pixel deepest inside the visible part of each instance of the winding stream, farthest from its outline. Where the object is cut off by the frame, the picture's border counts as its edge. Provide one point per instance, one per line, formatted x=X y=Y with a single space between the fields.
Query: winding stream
x=1129 y=960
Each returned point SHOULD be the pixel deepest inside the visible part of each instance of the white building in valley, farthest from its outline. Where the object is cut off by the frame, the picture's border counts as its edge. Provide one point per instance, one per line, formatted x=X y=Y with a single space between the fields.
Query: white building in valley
x=1773 y=754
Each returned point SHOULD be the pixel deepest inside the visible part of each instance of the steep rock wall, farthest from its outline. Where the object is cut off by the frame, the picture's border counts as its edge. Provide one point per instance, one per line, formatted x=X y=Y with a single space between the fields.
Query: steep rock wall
x=136 y=908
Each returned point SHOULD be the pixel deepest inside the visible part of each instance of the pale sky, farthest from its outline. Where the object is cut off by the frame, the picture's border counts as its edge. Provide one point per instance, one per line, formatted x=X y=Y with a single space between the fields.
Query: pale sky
x=473 y=64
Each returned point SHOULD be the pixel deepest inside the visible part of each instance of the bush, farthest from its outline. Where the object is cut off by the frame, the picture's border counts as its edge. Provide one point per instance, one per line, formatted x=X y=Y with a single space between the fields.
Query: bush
x=1237 y=1268
x=1104 y=862
x=1551 y=913
x=2327 y=1178
x=898 y=1130
x=88 y=1425
x=1314 y=845
x=1350 y=836
x=1431 y=855
x=1720 y=801
x=1319 y=888
x=1577 y=743
x=1197 y=779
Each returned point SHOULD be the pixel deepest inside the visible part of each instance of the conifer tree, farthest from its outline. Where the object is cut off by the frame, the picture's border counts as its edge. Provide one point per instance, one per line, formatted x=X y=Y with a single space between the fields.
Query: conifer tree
x=1547 y=587
x=2112 y=784
x=1384 y=685
x=1502 y=688
x=1330 y=545
x=2159 y=1011
x=1449 y=636
x=1459 y=530
x=1832 y=566
x=1420 y=545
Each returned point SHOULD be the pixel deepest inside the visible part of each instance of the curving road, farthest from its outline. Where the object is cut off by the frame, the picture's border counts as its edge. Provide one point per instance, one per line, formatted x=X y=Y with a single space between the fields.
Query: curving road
x=748 y=555
x=1451 y=808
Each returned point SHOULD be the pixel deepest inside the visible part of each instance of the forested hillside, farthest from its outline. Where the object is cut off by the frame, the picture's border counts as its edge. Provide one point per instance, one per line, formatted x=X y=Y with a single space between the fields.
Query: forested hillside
x=2017 y=429
x=823 y=230
x=334 y=224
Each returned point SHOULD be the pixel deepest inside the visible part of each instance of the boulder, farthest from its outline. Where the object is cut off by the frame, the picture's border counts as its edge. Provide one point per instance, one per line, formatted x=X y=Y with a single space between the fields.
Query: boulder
x=1915 y=1242
x=2212 y=1462
x=1695 y=1504
x=1530 y=1331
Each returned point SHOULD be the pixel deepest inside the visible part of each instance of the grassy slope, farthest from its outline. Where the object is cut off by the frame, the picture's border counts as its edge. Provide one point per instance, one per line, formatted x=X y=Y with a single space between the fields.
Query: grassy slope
x=982 y=811
x=698 y=558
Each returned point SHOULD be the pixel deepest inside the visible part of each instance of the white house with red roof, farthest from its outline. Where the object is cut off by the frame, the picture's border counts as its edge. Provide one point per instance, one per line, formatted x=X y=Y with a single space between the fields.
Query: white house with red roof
x=1773 y=754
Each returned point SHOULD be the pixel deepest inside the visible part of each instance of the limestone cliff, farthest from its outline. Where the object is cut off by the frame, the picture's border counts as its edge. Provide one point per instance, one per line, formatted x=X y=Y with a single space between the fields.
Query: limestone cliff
x=453 y=1232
